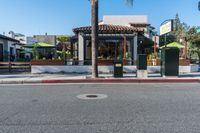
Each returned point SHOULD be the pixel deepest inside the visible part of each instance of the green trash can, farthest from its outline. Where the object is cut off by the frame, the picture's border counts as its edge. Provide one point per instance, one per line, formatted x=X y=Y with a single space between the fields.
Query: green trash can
x=118 y=69
x=170 y=62
x=142 y=62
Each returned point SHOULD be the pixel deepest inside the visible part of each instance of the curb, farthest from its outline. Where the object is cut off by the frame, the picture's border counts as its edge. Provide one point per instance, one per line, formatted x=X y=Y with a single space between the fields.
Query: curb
x=100 y=80
x=123 y=81
x=22 y=82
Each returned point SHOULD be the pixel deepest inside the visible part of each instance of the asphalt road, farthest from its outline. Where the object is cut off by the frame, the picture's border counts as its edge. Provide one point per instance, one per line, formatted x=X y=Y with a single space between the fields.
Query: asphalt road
x=136 y=108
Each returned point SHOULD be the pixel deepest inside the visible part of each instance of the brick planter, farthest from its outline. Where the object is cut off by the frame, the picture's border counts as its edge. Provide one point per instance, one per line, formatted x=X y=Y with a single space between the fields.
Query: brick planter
x=47 y=62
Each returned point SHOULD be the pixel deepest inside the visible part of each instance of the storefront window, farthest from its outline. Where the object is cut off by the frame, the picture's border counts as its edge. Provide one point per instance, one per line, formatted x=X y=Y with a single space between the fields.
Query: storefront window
x=108 y=50
x=75 y=51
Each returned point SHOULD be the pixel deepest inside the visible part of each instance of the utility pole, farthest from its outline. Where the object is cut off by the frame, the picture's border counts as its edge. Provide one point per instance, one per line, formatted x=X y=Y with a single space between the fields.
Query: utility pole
x=155 y=57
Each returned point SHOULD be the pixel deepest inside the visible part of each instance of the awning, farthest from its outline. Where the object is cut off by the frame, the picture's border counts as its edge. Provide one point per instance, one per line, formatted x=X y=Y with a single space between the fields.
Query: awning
x=25 y=52
x=40 y=45
x=174 y=44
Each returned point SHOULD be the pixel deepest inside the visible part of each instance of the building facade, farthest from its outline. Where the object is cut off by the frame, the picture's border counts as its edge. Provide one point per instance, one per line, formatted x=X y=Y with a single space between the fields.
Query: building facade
x=119 y=39
x=17 y=36
x=136 y=21
x=50 y=39
x=9 y=48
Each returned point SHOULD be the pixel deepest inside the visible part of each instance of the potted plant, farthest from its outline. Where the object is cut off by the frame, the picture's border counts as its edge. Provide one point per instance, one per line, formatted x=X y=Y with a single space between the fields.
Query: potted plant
x=128 y=58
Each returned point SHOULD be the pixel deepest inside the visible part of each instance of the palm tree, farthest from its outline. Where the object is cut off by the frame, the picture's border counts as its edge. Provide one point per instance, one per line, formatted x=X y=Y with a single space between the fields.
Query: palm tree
x=199 y=5
x=94 y=34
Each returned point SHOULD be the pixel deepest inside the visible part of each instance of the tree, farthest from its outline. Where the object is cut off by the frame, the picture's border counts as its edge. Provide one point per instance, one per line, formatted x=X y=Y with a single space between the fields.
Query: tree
x=94 y=34
x=180 y=29
x=35 y=52
x=194 y=41
x=62 y=42
x=62 y=38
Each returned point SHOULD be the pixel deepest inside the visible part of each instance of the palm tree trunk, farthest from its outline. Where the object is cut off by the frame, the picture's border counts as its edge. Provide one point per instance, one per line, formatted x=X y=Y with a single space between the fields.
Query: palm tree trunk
x=94 y=34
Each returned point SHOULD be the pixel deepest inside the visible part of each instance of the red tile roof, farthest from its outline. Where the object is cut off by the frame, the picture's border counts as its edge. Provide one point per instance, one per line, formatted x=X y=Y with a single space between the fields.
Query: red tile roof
x=109 y=29
x=143 y=24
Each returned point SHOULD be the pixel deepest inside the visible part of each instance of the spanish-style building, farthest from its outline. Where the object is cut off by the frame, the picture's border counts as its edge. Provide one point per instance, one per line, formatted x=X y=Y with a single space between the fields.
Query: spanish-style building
x=120 y=38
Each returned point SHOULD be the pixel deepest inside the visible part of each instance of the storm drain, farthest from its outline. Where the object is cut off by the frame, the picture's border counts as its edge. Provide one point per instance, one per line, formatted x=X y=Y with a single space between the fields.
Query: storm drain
x=92 y=96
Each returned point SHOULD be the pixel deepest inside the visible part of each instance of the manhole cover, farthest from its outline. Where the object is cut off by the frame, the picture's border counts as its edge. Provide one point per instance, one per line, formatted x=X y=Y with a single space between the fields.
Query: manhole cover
x=92 y=96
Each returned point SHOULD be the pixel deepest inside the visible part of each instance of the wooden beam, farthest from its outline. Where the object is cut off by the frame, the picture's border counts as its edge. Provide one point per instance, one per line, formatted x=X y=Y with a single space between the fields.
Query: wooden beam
x=125 y=42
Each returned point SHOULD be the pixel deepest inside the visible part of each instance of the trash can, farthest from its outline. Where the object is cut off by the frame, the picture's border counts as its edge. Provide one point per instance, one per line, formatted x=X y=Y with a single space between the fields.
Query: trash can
x=170 y=62
x=142 y=66
x=142 y=62
x=118 y=68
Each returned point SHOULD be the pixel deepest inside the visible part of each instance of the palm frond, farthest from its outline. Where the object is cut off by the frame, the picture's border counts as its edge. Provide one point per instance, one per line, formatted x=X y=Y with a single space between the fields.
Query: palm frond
x=129 y=2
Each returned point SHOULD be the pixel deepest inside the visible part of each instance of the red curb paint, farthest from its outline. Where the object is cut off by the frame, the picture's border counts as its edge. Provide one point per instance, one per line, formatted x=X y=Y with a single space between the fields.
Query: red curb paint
x=123 y=81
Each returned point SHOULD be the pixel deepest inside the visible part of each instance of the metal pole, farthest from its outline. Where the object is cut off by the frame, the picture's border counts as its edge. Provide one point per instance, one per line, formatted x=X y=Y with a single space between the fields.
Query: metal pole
x=165 y=40
x=185 y=49
x=155 y=60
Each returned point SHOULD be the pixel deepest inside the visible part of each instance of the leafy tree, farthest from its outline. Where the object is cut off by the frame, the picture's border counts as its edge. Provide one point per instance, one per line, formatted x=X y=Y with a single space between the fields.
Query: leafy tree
x=62 y=38
x=180 y=29
x=194 y=42
x=35 y=52
x=62 y=42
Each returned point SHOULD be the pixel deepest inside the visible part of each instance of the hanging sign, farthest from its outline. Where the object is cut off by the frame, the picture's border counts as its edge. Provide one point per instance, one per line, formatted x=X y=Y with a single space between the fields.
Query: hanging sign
x=166 y=28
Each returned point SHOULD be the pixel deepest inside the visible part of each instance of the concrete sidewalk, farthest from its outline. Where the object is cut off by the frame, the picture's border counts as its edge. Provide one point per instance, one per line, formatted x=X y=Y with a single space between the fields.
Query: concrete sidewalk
x=86 y=78
x=36 y=78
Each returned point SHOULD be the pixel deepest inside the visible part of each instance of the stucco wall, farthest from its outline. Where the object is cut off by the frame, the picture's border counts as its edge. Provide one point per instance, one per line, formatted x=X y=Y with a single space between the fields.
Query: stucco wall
x=103 y=69
x=124 y=20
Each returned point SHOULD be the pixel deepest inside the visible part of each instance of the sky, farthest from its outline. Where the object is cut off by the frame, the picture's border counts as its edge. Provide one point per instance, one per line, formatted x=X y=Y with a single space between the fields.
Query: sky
x=59 y=17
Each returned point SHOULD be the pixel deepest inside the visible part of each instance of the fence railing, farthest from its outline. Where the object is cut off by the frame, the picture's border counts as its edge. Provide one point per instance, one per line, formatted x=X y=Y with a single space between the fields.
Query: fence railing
x=15 y=66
